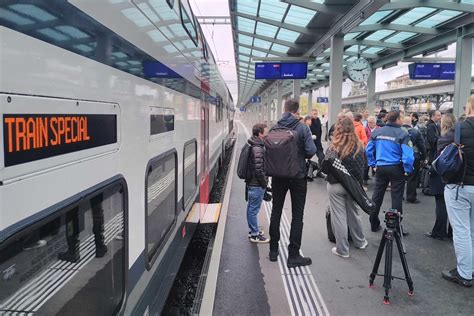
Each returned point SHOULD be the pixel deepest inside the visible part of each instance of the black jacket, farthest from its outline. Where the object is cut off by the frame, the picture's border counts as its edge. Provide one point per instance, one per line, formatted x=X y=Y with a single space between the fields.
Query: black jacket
x=467 y=139
x=419 y=147
x=355 y=164
x=432 y=135
x=316 y=127
x=257 y=163
x=436 y=182
x=306 y=145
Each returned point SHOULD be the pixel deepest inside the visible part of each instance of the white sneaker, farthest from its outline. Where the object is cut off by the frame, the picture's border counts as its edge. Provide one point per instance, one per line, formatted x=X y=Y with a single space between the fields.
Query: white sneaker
x=334 y=251
x=364 y=245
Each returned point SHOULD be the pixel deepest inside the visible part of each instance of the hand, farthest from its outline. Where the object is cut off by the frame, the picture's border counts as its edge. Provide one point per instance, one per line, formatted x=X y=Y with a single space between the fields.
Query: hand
x=313 y=137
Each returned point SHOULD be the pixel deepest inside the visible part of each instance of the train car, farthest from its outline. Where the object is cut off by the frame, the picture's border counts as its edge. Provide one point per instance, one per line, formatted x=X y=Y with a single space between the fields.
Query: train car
x=114 y=121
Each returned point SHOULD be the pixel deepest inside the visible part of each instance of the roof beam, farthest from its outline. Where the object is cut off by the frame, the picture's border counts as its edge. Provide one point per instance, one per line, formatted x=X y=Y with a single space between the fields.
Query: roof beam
x=264 y=50
x=299 y=29
x=420 y=48
x=395 y=27
x=335 y=9
x=373 y=43
x=362 y=54
x=214 y=20
x=435 y=4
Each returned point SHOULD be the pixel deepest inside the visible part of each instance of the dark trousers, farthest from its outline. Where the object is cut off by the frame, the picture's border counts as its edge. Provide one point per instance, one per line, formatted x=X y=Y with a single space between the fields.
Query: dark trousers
x=319 y=150
x=366 y=173
x=385 y=175
x=297 y=189
x=412 y=181
x=440 y=228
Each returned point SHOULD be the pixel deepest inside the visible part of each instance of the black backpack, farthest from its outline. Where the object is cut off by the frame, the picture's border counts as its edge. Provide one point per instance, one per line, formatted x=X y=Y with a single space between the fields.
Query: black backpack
x=281 y=152
x=243 y=167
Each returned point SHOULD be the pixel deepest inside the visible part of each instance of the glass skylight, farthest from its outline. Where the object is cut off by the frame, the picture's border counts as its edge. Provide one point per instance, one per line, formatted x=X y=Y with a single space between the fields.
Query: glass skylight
x=350 y=36
x=413 y=15
x=55 y=35
x=261 y=44
x=280 y=48
x=374 y=50
x=266 y=29
x=299 y=16
x=247 y=6
x=156 y=36
x=33 y=11
x=72 y=31
x=378 y=35
x=14 y=18
x=245 y=25
x=376 y=17
x=244 y=39
x=271 y=9
x=134 y=15
x=439 y=18
x=244 y=50
x=287 y=35
x=400 y=37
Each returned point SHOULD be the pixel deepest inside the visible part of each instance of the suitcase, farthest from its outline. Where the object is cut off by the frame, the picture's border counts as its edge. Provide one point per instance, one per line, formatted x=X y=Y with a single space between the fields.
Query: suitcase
x=331 y=236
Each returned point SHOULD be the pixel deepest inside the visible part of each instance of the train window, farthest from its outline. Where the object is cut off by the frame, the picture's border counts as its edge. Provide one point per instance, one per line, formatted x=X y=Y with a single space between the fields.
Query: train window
x=188 y=24
x=189 y=173
x=161 y=120
x=73 y=260
x=161 y=207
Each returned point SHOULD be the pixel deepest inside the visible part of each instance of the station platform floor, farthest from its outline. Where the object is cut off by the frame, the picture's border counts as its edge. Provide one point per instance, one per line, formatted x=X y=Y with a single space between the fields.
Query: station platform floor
x=249 y=284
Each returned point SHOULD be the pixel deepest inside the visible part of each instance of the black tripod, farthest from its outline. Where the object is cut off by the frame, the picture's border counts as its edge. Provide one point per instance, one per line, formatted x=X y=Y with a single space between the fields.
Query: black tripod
x=391 y=232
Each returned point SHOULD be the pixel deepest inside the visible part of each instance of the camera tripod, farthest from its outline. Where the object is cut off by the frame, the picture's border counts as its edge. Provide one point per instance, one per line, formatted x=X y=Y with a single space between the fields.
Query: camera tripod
x=390 y=233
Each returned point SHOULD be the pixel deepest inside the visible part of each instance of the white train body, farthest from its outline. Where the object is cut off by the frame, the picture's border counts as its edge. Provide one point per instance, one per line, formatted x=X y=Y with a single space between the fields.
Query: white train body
x=81 y=120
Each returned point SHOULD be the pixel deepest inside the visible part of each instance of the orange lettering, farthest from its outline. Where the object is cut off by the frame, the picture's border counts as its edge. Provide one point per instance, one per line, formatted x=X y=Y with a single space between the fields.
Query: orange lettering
x=42 y=131
x=20 y=133
x=67 y=124
x=61 y=129
x=30 y=133
x=9 y=121
x=74 y=124
x=53 y=121
x=83 y=128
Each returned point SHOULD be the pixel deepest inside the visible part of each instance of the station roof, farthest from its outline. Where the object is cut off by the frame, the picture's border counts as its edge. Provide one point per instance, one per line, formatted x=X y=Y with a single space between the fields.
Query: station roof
x=384 y=32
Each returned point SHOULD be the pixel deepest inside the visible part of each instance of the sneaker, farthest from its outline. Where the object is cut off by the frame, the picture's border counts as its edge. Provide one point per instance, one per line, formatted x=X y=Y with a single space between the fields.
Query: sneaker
x=273 y=255
x=334 y=251
x=259 y=239
x=430 y=234
x=415 y=201
x=260 y=232
x=40 y=243
x=454 y=276
x=298 y=261
x=364 y=245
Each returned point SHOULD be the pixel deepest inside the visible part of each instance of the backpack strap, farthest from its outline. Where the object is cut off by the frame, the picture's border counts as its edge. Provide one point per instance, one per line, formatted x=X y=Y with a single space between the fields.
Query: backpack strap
x=457 y=133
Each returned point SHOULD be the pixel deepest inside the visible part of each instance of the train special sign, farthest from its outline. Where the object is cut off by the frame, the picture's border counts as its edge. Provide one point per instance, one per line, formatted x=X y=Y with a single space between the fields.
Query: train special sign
x=30 y=137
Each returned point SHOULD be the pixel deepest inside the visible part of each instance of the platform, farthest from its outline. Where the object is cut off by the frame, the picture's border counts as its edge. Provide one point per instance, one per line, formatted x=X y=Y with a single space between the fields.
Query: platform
x=249 y=284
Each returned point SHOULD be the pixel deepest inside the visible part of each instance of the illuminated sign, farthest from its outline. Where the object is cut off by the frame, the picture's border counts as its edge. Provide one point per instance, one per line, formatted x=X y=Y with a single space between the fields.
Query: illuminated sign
x=31 y=137
x=432 y=71
x=273 y=71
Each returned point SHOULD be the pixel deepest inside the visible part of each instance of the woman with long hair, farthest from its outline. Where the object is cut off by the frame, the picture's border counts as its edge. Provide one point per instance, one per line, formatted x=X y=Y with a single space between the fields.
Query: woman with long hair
x=440 y=228
x=344 y=211
x=459 y=195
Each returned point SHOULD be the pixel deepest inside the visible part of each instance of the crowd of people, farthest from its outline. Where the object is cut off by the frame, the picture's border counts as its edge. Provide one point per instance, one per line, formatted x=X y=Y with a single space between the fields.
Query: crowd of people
x=398 y=150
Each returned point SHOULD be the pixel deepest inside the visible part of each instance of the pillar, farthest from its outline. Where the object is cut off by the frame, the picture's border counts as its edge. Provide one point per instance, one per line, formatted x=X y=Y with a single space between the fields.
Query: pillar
x=296 y=89
x=371 y=92
x=310 y=101
x=462 y=83
x=279 y=100
x=335 y=77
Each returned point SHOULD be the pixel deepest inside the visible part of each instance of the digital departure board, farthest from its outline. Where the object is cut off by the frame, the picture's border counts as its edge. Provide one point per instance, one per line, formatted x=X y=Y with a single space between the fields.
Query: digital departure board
x=276 y=71
x=432 y=71
x=155 y=69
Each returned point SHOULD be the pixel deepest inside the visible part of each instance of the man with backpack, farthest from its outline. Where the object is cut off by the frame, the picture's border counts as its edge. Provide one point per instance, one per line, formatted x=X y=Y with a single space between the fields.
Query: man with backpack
x=419 y=152
x=256 y=182
x=287 y=146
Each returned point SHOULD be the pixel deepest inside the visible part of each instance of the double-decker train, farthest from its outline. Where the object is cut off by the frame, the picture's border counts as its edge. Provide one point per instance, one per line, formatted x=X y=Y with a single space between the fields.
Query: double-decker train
x=114 y=122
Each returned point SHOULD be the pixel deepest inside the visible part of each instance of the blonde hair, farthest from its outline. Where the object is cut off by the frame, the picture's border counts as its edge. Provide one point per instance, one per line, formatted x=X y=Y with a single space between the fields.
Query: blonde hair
x=345 y=139
x=447 y=123
x=470 y=106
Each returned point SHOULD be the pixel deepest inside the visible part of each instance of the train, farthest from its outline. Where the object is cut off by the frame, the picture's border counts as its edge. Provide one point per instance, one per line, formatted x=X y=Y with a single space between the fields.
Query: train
x=115 y=121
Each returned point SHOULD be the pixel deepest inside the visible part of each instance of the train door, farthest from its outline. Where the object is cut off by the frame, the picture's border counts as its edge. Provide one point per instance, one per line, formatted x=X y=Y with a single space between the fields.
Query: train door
x=204 y=181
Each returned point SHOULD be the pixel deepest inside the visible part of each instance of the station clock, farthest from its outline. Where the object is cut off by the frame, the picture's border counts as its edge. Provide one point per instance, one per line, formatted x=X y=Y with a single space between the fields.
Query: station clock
x=359 y=70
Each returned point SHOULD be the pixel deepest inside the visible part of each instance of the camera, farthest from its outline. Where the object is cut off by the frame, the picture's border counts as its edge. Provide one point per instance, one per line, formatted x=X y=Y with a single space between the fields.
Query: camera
x=393 y=219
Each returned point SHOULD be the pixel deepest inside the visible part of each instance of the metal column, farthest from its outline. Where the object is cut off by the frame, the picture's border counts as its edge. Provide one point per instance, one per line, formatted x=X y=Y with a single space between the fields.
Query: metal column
x=310 y=101
x=296 y=89
x=462 y=84
x=335 y=77
x=371 y=92
x=279 y=99
x=269 y=109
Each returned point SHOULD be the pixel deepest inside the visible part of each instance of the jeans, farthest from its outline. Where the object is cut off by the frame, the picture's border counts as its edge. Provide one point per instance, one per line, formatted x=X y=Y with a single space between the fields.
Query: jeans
x=297 y=189
x=461 y=217
x=412 y=181
x=255 y=198
x=387 y=174
x=344 y=213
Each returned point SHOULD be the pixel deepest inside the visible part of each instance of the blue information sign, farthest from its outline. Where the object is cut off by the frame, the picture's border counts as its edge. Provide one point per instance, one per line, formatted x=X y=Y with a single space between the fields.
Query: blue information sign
x=322 y=100
x=155 y=69
x=256 y=99
x=432 y=71
x=274 y=71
